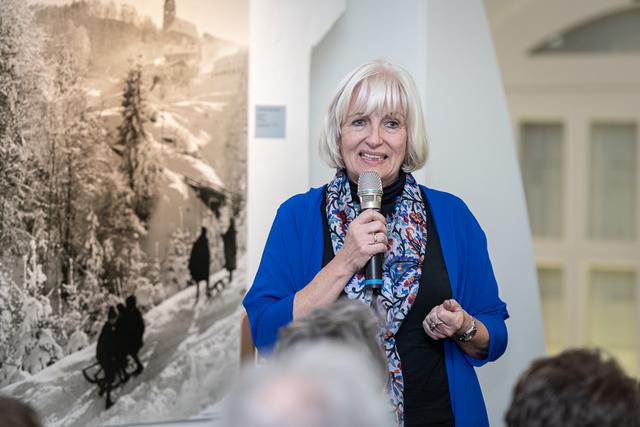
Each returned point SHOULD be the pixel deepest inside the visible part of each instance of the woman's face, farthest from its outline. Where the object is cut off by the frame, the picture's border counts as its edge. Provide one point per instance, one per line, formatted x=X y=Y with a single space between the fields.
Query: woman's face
x=376 y=142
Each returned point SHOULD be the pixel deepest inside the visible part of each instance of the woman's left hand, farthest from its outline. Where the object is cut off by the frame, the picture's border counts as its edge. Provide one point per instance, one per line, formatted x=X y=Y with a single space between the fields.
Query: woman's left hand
x=445 y=320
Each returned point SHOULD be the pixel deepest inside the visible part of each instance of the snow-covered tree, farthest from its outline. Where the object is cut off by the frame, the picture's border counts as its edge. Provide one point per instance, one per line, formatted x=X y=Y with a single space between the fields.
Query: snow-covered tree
x=34 y=341
x=68 y=157
x=34 y=277
x=77 y=41
x=73 y=318
x=9 y=316
x=21 y=101
x=137 y=270
x=45 y=352
x=77 y=341
x=6 y=312
x=177 y=260
x=12 y=195
x=118 y=227
x=139 y=162
x=155 y=276
x=92 y=296
x=150 y=291
x=92 y=259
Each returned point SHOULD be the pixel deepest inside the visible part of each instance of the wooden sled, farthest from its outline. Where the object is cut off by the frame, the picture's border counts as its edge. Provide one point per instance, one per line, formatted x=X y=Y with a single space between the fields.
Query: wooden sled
x=94 y=374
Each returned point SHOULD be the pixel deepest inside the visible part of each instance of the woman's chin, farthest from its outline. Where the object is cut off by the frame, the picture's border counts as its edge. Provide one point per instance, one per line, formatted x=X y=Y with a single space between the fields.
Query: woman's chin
x=379 y=167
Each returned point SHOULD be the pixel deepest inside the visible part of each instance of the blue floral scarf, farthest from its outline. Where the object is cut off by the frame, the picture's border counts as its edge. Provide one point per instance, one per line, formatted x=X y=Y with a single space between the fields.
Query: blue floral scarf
x=402 y=266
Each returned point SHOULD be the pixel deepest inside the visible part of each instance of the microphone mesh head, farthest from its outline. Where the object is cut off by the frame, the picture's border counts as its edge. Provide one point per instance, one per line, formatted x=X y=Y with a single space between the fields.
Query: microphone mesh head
x=369 y=182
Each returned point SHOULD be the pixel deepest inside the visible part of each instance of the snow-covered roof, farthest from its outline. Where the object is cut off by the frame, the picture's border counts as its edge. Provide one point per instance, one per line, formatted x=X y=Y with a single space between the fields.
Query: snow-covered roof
x=182 y=27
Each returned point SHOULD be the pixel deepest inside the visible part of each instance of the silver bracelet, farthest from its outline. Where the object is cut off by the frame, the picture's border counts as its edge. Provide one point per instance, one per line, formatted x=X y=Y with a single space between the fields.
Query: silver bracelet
x=469 y=334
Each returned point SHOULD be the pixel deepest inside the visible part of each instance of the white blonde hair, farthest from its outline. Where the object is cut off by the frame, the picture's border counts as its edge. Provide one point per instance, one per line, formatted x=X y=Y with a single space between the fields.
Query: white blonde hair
x=377 y=86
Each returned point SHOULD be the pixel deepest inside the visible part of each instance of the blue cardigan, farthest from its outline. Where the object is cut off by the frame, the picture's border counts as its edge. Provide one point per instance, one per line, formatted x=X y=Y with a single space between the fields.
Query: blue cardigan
x=293 y=256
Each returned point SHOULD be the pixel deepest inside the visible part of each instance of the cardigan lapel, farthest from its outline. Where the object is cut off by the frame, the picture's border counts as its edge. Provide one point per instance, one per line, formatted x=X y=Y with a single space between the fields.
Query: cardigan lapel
x=444 y=222
x=312 y=237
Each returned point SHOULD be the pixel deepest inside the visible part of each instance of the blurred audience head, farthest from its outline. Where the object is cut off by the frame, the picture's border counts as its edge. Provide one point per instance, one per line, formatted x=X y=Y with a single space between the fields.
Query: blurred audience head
x=577 y=388
x=14 y=413
x=317 y=385
x=347 y=322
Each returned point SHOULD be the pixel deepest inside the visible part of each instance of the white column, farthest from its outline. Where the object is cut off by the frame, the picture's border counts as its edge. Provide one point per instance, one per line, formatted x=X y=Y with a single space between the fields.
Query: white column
x=282 y=33
x=474 y=156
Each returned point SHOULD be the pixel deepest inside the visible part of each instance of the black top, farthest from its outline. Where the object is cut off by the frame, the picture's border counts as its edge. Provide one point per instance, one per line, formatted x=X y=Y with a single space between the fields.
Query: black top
x=426 y=388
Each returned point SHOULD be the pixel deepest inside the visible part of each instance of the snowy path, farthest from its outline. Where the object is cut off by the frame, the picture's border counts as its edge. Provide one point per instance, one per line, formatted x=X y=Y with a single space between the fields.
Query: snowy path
x=190 y=357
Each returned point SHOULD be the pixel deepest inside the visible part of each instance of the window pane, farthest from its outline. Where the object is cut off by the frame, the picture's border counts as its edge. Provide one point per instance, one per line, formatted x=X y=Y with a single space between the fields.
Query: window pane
x=612 y=316
x=612 y=190
x=618 y=31
x=551 y=295
x=541 y=162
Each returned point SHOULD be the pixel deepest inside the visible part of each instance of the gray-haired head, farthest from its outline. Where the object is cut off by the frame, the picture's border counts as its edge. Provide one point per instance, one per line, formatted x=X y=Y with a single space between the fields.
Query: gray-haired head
x=347 y=322
x=375 y=87
x=324 y=384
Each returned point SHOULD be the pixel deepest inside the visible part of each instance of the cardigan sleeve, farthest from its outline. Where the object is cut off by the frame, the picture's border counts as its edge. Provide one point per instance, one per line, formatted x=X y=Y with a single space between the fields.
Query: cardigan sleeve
x=269 y=301
x=480 y=297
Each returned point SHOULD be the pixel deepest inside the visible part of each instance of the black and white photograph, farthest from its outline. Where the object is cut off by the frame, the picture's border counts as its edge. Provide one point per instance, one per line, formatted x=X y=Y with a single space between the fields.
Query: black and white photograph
x=122 y=206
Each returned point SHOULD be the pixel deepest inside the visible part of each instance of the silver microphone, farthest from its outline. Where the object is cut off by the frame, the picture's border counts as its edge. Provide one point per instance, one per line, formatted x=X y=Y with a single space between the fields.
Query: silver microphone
x=370 y=194
x=370 y=190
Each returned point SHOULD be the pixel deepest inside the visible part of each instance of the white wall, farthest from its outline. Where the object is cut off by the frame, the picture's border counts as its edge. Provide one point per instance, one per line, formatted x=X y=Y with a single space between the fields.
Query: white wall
x=447 y=47
x=281 y=34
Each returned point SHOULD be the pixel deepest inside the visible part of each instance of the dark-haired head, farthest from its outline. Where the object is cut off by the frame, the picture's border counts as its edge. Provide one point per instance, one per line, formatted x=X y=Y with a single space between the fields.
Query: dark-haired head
x=575 y=388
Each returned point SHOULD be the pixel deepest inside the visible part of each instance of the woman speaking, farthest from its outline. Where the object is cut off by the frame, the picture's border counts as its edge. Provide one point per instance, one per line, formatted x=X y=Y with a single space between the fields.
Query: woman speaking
x=439 y=296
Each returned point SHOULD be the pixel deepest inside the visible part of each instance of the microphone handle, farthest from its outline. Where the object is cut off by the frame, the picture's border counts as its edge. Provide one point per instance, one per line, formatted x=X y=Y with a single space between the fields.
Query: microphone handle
x=373 y=271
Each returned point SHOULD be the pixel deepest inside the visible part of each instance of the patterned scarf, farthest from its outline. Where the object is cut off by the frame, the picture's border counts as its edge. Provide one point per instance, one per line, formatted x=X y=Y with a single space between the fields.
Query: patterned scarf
x=402 y=266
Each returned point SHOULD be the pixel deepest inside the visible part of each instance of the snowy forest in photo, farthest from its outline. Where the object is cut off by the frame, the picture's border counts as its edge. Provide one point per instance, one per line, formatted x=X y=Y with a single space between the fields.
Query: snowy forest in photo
x=119 y=139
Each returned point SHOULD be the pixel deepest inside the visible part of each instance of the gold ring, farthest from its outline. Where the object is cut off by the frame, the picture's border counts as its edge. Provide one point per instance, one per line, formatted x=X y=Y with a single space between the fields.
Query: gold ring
x=375 y=238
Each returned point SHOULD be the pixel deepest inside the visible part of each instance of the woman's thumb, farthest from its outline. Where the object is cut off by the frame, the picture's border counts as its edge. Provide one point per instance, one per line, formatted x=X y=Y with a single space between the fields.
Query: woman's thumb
x=450 y=305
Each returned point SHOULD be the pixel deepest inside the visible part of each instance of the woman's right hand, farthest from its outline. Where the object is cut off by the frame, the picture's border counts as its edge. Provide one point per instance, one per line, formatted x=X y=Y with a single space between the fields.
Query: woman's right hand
x=367 y=236
x=359 y=246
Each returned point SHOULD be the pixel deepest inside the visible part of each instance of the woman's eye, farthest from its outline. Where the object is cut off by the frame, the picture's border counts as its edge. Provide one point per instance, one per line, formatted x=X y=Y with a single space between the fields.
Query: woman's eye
x=393 y=124
x=358 y=122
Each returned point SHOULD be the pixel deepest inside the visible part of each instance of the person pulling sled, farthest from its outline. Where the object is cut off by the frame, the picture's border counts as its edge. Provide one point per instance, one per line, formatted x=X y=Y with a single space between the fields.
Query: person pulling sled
x=108 y=353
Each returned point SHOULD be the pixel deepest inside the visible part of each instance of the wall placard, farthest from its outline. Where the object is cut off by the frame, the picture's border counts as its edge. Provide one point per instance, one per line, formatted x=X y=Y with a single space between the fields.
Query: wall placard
x=270 y=121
